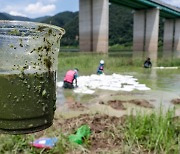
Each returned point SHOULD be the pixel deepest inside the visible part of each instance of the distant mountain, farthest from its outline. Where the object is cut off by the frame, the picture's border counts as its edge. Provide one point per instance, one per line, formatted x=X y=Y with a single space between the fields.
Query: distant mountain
x=70 y=22
x=3 y=16
x=6 y=16
x=19 y=18
x=40 y=19
x=120 y=25
x=61 y=19
x=72 y=32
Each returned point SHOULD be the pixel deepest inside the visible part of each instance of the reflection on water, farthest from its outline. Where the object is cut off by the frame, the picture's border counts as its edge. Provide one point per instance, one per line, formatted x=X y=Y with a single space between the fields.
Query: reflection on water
x=143 y=55
x=157 y=79
x=60 y=96
x=177 y=54
x=167 y=54
x=171 y=54
x=153 y=56
x=153 y=77
x=138 y=54
x=127 y=54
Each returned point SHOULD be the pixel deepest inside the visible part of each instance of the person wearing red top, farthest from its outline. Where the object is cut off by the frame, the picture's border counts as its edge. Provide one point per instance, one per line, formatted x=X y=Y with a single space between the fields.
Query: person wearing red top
x=70 y=76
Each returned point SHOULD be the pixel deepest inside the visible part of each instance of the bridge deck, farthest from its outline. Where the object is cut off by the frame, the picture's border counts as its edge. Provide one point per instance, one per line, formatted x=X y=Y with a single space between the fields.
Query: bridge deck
x=166 y=11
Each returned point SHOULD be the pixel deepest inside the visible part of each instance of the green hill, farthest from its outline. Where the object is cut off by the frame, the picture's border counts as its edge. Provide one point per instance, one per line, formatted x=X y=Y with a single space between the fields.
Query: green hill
x=6 y=16
x=120 y=25
x=69 y=21
x=12 y=17
x=3 y=16
x=40 y=19
x=61 y=19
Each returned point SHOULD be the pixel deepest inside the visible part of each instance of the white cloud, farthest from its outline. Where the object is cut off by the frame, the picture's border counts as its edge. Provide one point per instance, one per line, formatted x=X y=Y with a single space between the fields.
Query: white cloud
x=47 y=1
x=52 y=1
x=14 y=10
x=15 y=13
x=39 y=8
x=172 y=2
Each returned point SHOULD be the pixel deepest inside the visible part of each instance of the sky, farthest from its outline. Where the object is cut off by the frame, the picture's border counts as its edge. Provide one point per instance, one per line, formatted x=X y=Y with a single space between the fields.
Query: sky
x=39 y=8
x=172 y=2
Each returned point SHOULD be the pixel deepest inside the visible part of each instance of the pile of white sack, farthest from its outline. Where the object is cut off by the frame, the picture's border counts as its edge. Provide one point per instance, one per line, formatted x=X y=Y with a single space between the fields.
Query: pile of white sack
x=115 y=82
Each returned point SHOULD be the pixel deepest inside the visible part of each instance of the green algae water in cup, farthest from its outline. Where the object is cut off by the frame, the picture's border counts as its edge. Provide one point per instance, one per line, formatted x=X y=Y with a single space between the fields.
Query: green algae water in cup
x=28 y=65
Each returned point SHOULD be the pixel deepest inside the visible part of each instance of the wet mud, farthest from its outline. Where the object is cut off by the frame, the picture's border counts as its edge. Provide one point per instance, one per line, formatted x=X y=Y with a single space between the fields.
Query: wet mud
x=176 y=101
x=119 y=104
x=76 y=106
x=72 y=104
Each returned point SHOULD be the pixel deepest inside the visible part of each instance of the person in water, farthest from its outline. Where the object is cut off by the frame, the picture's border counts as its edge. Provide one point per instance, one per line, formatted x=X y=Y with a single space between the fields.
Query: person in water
x=69 y=78
x=100 y=69
x=147 y=63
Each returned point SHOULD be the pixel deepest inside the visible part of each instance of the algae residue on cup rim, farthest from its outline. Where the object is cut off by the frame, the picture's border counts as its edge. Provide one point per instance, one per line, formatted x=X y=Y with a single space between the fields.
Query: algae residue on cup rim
x=31 y=24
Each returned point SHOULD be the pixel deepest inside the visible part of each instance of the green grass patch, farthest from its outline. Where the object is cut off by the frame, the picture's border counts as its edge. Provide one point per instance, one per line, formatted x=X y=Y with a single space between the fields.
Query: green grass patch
x=88 y=62
x=112 y=60
x=157 y=133
x=169 y=62
x=16 y=144
x=119 y=47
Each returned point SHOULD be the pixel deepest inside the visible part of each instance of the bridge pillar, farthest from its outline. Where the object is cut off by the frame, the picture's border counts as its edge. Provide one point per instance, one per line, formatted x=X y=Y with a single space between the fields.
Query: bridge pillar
x=177 y=38
x=94 y=25
x=85 y=28
x=152 y=31
x=138 y=32
x=168 y=39
x=100 y=25
x=145 y=31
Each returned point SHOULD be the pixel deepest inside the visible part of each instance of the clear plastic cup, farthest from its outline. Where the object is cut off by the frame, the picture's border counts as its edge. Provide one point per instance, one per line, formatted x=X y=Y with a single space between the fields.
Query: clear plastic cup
x=28 y=65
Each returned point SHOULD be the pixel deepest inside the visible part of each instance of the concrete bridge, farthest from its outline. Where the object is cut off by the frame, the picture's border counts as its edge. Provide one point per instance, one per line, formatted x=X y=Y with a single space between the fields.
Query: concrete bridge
x=94 y=25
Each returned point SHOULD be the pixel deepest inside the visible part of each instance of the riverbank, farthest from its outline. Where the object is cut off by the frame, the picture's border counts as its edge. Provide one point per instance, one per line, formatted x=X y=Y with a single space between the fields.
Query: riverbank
x=120 y=122
x=143 y=133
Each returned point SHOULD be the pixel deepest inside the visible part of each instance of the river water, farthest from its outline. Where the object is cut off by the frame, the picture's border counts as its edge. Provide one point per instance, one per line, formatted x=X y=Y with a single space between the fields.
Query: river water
x=164 y=84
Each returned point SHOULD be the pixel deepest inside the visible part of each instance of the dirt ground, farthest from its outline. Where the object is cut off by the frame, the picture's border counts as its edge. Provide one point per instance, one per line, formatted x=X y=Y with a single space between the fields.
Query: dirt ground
x=115 y=104
x=76 y=106
x=118 y=104
x=176 y=101
x=102 y=127
x=106 y=134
